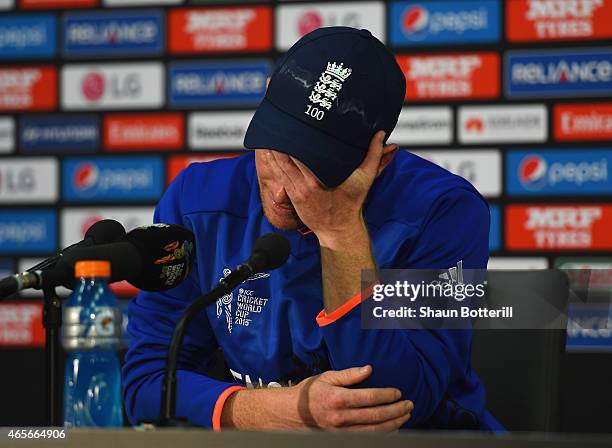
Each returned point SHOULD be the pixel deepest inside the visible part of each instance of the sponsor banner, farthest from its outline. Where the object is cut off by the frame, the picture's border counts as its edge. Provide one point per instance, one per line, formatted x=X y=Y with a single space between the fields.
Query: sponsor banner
x=158 y=131
x=140 y=2
x=21 y=324
x=28 y=88
x=75 y=221
x=423 y=125
x=495 y=228
x=7 y=135
x=451 y=76
x=553 y=73
x=600 y=275
x=550 y=20
x=589 y=328
x=559 y=172
x=28 y=180
x=217 y=84
x=517 y=263
x=28 y=231
x=27 y=36
x=218 y=130
x=430 y=23
x=502 y=124
x=583 y=121
x=176 y=164
x=113 y=33
x=62 y=133
x=113 y=86
x=569 y=227
x=112 y=179
x=56 y=4
x=482 y=168
x=295 y=21
x=220 y=29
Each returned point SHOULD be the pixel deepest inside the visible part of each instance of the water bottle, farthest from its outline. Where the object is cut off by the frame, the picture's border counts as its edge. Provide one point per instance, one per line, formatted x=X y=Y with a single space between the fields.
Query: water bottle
x=91 y=336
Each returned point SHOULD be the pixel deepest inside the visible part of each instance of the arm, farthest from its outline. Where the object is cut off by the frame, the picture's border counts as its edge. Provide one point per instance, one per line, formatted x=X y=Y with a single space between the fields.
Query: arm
x=152 y=317
x=419 y=363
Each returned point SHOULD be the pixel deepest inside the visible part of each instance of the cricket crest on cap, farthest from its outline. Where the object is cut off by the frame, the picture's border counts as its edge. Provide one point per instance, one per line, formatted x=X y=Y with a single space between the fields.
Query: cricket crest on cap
x=326 y=89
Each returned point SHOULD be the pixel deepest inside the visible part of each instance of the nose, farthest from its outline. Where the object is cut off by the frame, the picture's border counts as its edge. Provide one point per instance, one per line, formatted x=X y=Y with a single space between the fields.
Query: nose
x=280 y=195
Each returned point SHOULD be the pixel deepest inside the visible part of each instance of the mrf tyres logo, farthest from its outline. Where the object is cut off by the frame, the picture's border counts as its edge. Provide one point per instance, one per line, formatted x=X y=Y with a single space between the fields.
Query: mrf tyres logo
x=467 y=75
x=326 y=90
x=248 y=303
x=552 y=73
x=535 y=20
x=558 y=227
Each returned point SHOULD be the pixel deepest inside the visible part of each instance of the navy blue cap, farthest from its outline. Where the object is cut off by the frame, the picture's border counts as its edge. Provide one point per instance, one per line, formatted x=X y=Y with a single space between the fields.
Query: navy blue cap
x=327 y=97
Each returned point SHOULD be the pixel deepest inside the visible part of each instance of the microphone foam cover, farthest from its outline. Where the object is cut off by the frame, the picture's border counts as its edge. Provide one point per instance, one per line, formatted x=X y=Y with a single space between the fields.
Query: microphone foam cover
x=167 y=255
x=270 y=251
x=105 y=231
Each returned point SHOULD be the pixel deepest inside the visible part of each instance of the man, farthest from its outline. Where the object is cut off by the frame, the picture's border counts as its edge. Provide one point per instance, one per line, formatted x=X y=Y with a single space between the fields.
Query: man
x=322 y=176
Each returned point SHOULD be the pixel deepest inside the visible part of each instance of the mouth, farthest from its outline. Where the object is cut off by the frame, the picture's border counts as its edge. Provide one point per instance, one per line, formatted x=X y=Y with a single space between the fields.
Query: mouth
x=284 y=209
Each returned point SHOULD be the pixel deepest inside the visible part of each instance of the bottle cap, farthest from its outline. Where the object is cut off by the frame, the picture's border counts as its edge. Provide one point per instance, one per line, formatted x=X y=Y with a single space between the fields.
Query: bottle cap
x=96 y=268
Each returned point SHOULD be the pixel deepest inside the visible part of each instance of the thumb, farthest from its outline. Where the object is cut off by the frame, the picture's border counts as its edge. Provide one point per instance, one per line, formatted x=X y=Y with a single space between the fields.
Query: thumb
x=348 y=377
x=372 y=160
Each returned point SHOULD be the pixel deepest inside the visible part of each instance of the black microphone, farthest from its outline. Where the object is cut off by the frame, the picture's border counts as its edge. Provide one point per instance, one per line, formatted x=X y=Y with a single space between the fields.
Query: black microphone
x=270 y=251
x=152 y=258
x=102 y=232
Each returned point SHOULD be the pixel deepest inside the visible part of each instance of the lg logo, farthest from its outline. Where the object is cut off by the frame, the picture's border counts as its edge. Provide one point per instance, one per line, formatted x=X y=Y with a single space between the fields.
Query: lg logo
x=95 y=85
x=17 y=181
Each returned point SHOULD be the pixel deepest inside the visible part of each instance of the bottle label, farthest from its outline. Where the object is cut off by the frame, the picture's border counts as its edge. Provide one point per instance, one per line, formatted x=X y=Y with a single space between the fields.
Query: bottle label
x=91 y=328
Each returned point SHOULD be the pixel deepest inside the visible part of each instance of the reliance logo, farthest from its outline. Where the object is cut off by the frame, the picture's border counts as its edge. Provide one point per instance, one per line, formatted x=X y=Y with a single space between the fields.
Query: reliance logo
x=593 y=71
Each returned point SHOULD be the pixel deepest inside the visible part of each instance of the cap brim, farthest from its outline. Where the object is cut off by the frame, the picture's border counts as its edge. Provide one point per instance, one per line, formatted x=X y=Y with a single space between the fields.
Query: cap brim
x=330 y=159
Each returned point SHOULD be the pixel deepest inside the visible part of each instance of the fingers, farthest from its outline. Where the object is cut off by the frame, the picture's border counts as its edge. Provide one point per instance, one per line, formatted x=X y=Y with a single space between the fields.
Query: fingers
x=309 y=177
x=279 y=168
x=347 y=377
x=388 y=426
x=376 y=414
x=372 y=160
x=357 y=398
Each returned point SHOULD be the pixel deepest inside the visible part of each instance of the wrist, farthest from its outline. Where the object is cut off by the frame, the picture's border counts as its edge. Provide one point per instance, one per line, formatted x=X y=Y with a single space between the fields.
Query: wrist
x=350 y=238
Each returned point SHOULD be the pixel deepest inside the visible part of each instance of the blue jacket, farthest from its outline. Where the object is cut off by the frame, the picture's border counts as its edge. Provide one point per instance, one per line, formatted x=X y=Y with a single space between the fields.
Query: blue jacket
x=418 y=216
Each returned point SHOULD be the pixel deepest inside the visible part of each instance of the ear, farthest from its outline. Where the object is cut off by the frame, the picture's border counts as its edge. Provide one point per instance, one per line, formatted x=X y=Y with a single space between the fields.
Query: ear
x=388 y=154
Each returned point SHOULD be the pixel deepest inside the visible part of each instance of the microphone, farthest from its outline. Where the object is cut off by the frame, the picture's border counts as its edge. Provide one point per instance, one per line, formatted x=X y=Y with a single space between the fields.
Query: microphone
x=269 y=252
x=102 y=232
x=152 y=258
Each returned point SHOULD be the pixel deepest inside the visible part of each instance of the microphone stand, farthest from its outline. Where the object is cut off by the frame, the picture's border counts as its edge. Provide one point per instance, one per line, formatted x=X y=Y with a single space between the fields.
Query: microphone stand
x=52 y=322
x=168 y=398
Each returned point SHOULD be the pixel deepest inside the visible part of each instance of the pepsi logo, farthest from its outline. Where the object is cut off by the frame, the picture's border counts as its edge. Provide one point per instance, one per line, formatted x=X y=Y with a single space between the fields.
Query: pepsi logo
x=86 y=176
x=474 y=125
x=415 y=19
x=93 y=86
x=309 y=22
x=532 y=171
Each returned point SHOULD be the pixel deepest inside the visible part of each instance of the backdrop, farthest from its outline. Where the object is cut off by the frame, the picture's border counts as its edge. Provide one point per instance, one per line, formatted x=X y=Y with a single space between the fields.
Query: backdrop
x=103 y=102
